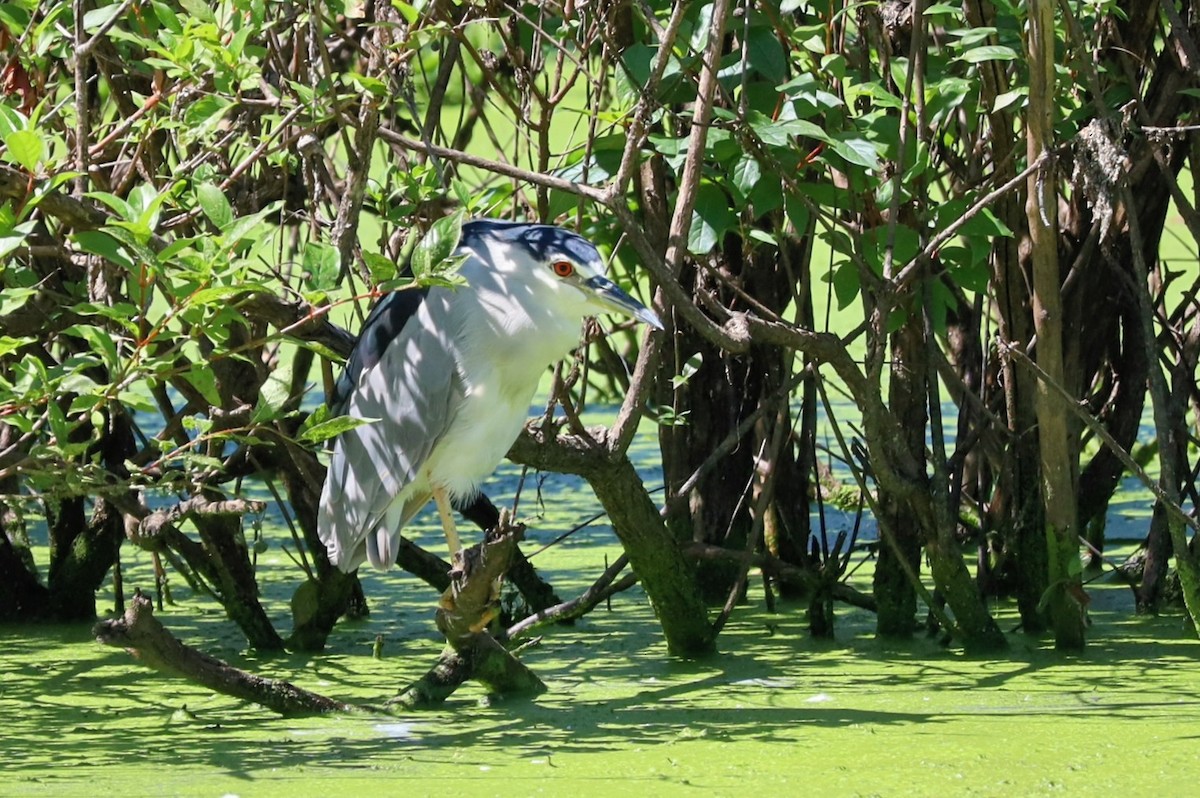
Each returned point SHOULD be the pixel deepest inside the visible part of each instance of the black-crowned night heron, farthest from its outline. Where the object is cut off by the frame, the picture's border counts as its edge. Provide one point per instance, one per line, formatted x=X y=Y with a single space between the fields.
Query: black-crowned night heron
x=446 y=377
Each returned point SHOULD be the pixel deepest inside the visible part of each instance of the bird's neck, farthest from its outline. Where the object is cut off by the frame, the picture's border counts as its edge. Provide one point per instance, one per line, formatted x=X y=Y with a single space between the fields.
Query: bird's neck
x=516 y=344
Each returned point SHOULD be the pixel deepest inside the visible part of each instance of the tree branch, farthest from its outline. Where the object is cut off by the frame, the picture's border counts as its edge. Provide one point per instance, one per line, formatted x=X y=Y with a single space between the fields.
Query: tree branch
x=141 y=634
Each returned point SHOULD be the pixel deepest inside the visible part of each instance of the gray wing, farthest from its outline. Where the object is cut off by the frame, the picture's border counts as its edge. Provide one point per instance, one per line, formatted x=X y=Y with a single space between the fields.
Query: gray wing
x=403 y=376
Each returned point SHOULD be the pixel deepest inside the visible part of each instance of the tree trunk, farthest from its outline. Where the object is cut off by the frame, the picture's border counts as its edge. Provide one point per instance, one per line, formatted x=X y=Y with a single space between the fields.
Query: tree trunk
x=1015 y=509
x=1057 y=444
x=81 y=554
x=894 y=590
x=716 y=397
x=666 y=575
x=332 y=593
x=22 y=597
x=236 y=587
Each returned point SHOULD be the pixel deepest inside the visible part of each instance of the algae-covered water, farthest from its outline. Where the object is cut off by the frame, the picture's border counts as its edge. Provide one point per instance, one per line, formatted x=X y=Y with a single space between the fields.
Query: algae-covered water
x=775 y=709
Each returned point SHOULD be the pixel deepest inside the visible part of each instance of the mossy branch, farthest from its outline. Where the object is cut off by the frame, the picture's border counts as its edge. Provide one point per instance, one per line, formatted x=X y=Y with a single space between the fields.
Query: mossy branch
x=465 y=611
x=146 y=639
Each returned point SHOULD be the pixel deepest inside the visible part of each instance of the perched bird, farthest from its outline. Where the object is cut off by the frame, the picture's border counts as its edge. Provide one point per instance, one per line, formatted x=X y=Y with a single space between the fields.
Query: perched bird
x=446 y=377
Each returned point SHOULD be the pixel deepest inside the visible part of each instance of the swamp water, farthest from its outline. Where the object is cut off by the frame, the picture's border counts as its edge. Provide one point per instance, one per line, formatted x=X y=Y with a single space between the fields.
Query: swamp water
x=774 y=709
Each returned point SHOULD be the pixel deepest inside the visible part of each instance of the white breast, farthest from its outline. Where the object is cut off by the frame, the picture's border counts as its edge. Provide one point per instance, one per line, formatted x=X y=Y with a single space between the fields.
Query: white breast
x=501 y=364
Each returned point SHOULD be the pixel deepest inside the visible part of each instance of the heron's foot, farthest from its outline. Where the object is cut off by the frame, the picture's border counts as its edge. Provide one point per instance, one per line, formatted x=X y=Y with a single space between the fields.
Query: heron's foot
x=465 y=611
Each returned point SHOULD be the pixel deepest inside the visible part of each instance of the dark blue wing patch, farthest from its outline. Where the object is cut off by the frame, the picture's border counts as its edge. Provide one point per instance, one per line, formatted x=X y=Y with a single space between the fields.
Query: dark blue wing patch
x=383 y=325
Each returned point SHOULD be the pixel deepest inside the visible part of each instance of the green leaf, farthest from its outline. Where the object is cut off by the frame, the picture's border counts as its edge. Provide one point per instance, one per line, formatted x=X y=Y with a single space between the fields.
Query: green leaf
x=167 y=17
x=133 y=238
x=368 y=84
x=969 y=36
x=148 y=200
x=120 y=206
x=247 y=227
x=320 y=350
x=779 y=134
x=797 y=213
x=199 y=10
x=407 y=11
x=8 y=344
x=331 y=428
x=14 y=298
x=766 y=55
x=215 y=205
x=218 y=294
x=126 y=316
x=11 y=120
x=433 y=252
x=134 y=234
x=669 y=145
x=135 y=399
x=96 y=18
x=767 y=194
x=690 y=367
x=100 y=341
x=238 y=43
x=85 y=403
x=14 y=236
x=984 y=224
x=712 y=217
x=1010 y=97
x=178 y=249
x=321 y=264
x=989 y=52
x=205 y=111
x=835 y=64
x=966 y=269
x=273 y=396
x=26 y=148
x=845 y=285
x=382 y=268
x=102 y=244
x=810 y=92
x=857 y=151
x=764 y=237
x=462 y=191
x=203 y=380
x=720 y=146
x=746 y=175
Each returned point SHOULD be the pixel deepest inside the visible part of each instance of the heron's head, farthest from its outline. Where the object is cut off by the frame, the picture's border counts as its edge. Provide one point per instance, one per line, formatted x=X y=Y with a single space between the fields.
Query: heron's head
x=555 y=267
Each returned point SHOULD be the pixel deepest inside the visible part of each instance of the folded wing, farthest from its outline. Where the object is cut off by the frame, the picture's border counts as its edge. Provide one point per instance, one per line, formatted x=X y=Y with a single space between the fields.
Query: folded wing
x=403 y=378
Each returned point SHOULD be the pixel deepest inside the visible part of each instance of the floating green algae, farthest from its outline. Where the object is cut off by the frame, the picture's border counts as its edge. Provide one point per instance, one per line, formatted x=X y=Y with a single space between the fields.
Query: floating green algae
x=775 y=708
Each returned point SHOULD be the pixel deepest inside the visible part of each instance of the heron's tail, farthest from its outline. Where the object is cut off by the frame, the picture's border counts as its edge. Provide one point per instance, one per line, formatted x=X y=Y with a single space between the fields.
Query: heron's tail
x=382 y=547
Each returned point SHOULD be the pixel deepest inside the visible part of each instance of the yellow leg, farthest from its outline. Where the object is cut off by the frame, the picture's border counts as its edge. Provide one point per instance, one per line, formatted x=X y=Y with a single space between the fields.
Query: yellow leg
x=445 y=513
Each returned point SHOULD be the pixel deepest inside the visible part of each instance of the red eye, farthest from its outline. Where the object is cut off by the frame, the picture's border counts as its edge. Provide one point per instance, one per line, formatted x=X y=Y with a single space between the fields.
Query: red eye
x=563 y=268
